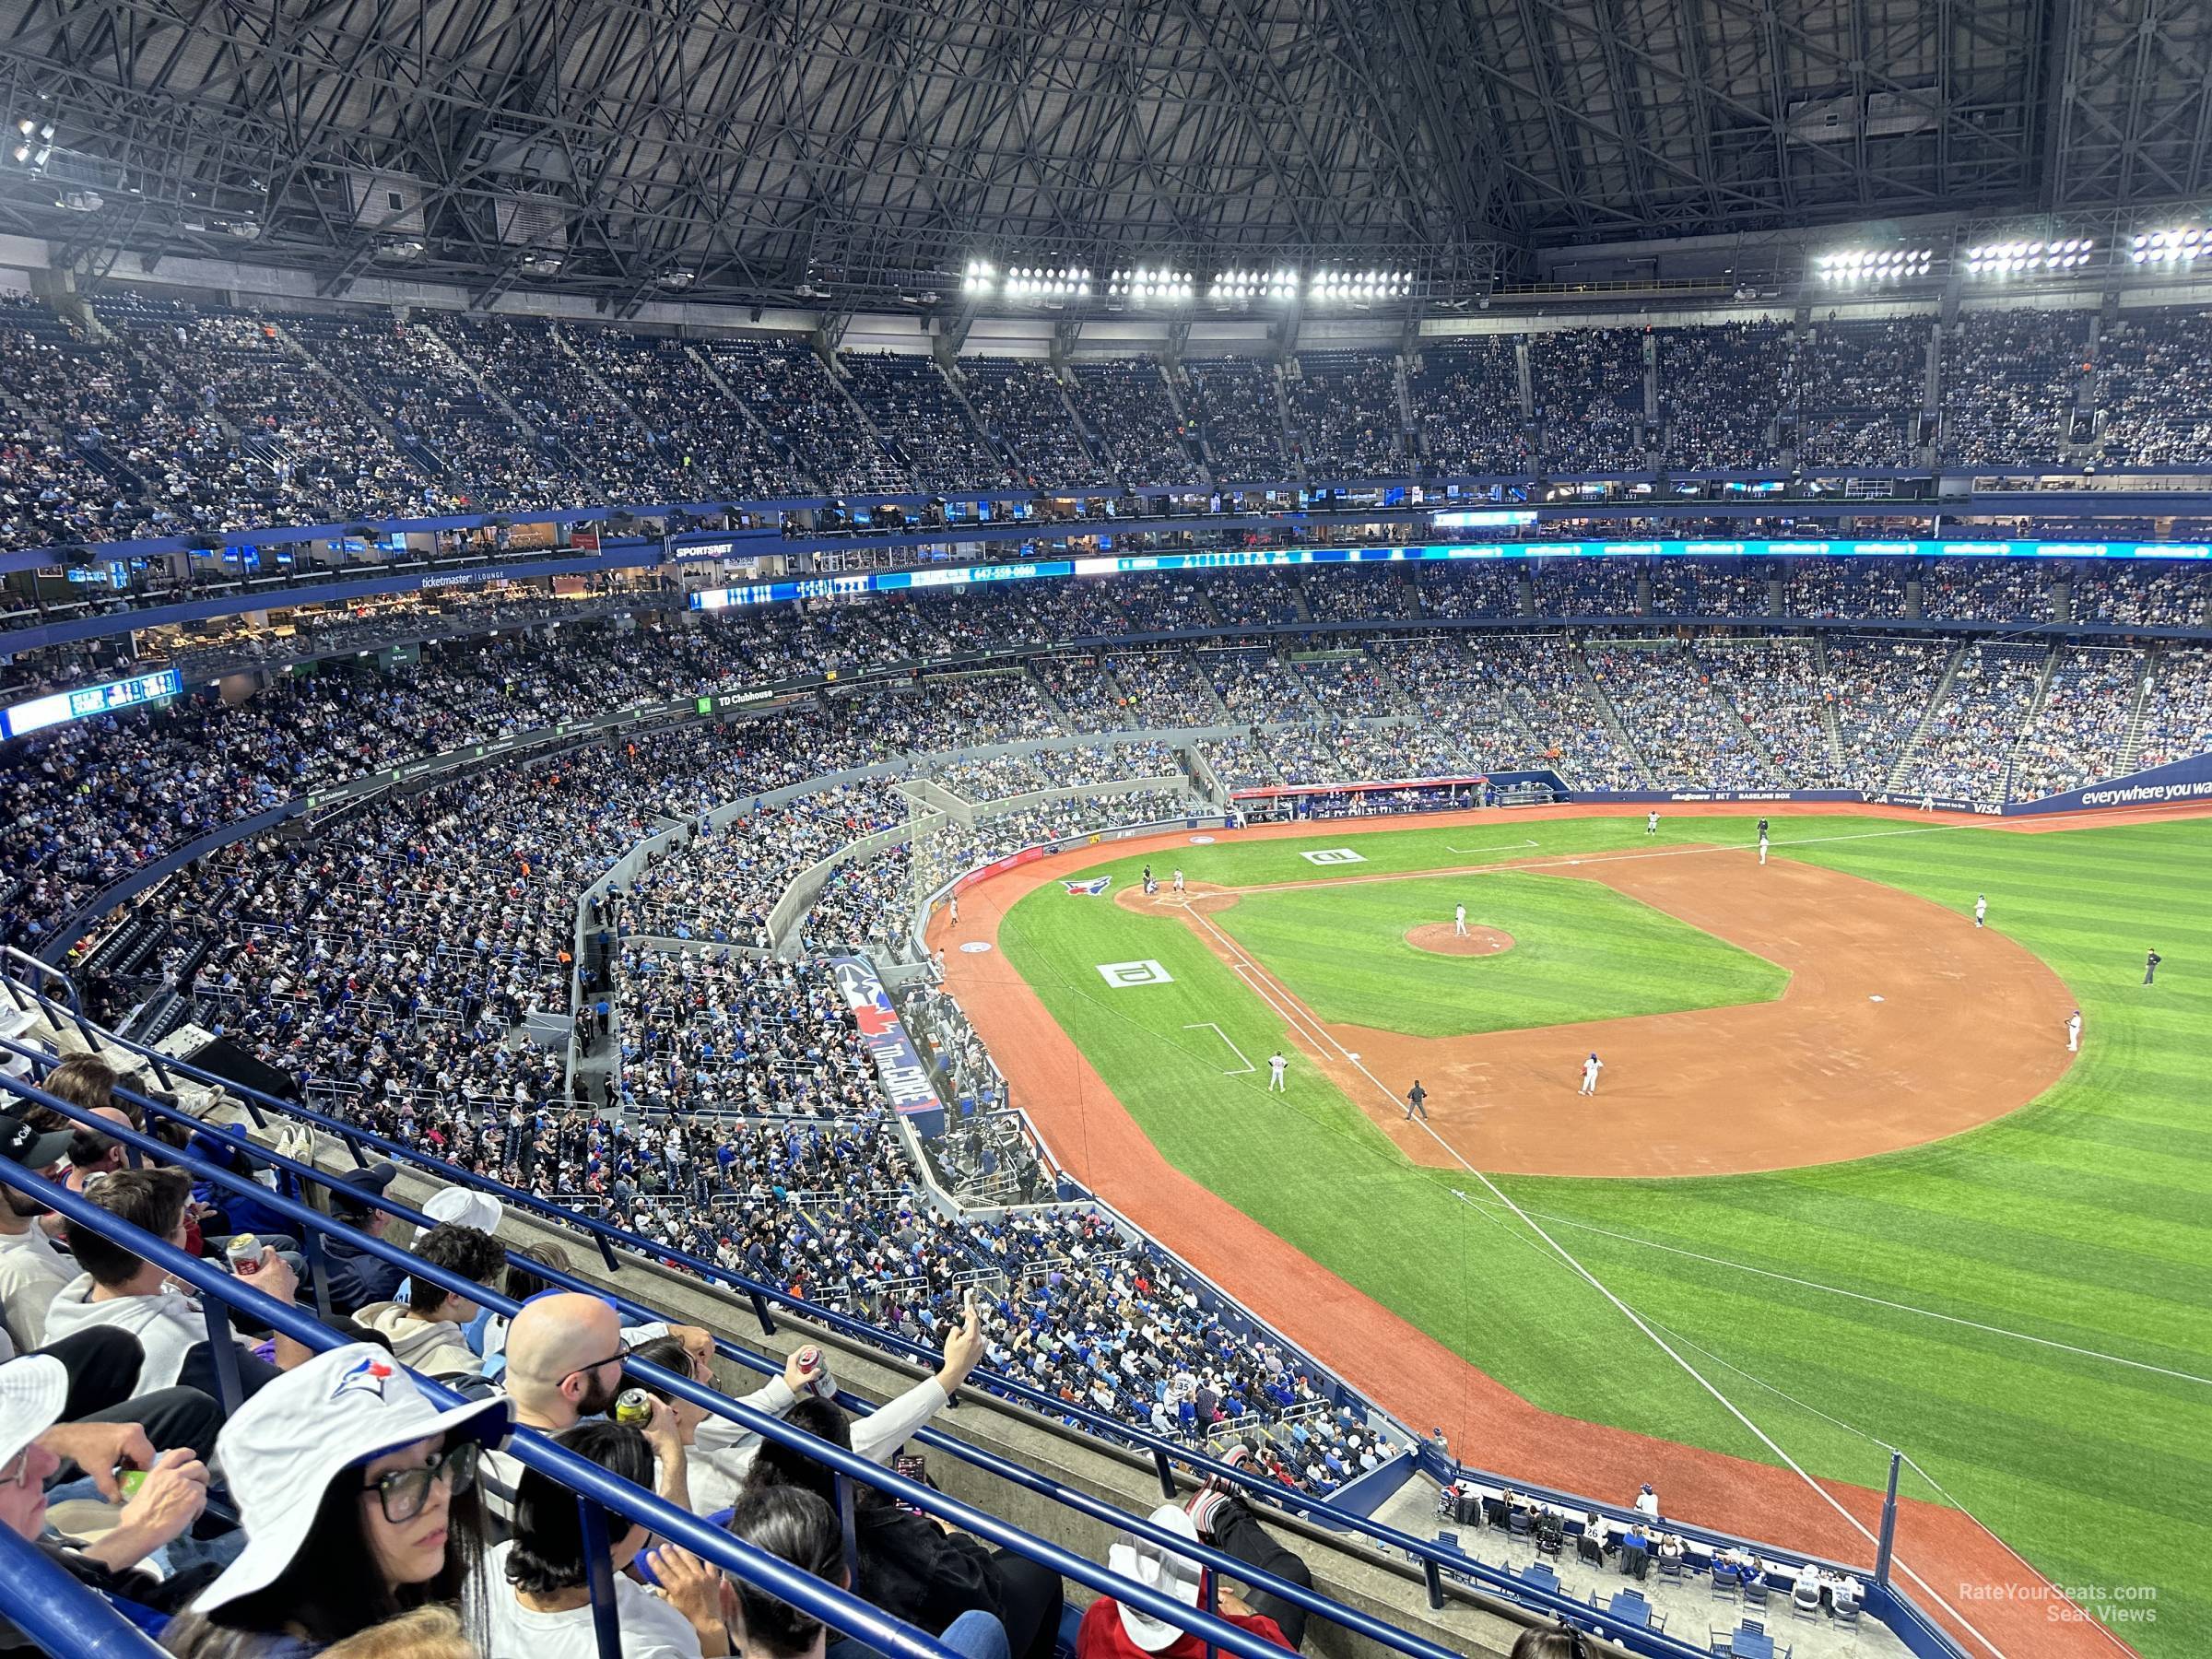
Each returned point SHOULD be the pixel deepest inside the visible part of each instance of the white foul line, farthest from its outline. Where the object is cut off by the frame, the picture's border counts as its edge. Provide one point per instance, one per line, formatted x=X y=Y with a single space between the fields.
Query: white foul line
x=1597 y=1284
x=1500 y=847
x=1208 y=1025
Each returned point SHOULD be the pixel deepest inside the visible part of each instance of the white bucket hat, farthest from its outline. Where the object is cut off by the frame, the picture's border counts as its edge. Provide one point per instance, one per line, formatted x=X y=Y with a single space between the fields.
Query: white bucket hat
x=1157 y=1567
x=32 y=1393
x=464 y=1207
x=290 y=1440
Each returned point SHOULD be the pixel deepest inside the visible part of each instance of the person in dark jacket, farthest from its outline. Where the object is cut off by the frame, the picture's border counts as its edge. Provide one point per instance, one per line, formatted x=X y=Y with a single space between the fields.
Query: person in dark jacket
x=356 y=1278
x=912 y=1567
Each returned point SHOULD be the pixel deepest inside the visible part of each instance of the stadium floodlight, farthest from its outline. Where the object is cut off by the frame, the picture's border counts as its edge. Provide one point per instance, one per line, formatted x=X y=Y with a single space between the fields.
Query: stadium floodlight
x=1873 y=264
x=1152 y=285
x=1047 y=283
x=1239 y=286
x=2028 y=258
x=2178 y=246
x=1358 y=288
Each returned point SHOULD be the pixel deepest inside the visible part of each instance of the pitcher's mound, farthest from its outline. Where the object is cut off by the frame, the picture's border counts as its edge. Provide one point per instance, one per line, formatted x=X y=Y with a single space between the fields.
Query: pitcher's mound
x=1478 y=941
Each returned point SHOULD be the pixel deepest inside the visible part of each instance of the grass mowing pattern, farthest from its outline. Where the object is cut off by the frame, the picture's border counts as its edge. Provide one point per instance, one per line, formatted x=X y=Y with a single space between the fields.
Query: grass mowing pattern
x=2086 y=1219
x=1581 y=951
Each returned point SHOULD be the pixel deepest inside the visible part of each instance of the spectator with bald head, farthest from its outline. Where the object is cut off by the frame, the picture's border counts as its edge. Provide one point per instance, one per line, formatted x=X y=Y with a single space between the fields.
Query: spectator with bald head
x=564 y=1364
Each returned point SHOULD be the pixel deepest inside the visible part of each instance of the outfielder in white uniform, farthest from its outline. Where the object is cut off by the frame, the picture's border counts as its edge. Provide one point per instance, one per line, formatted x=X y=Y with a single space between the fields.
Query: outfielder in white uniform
x=1277 y=1065
x=1591 y=1067
x=1981 y=908
x=1650 y=822
x=2074 y=1033
x=1459 y=920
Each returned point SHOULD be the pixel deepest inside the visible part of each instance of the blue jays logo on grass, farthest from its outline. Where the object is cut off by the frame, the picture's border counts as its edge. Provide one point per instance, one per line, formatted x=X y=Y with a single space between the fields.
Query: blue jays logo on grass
x=1087 y=889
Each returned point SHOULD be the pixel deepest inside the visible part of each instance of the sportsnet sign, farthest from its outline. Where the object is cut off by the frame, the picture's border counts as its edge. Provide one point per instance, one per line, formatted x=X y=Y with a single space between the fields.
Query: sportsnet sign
x=899 y=1067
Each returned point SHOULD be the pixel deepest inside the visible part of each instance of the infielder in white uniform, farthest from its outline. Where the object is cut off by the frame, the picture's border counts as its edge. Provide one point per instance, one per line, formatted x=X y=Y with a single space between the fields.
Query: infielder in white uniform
x=1459 y=920
x=1762 y=846
x=2074 y=1033
x=1591 y=1067
x=1981 y=908
x=1277 y=1064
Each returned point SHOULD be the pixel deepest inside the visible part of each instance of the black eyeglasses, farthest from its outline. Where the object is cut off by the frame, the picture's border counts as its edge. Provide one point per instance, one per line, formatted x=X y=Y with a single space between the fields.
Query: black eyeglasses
x=620 y=1354
x=402 y=1494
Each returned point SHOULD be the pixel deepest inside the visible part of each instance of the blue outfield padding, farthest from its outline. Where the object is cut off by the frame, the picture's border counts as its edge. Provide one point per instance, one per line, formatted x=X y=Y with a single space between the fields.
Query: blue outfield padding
x=2175 y=783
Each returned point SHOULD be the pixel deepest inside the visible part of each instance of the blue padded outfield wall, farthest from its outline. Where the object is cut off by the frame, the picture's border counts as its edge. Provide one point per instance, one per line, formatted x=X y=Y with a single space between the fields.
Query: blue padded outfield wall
x=2178 y=781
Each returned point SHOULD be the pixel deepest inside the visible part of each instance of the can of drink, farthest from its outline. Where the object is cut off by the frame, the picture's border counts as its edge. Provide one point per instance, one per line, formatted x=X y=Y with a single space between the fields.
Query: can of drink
x=819 y=1382
x=242 y=1249
x=130 y=1480
x=634 y=1407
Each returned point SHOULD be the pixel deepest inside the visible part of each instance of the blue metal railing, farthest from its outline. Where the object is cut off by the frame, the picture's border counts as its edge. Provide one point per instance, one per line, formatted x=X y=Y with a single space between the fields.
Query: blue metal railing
x=530 y=1448
x=227 y=1290
x=60 y=1615
x=1434 y=1560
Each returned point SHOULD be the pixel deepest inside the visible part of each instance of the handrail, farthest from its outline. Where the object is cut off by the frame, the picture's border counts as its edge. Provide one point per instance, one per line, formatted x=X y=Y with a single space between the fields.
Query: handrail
x=1434 y=1560
x=1165 y=1453
x=319 y=1225
x=850 y=1466
x=60 y=1615
x=535 y=1450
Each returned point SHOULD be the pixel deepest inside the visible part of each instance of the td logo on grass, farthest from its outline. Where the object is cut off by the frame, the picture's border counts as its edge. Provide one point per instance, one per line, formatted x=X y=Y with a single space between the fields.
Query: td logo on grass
x=1335 y=856
x=1122 y=975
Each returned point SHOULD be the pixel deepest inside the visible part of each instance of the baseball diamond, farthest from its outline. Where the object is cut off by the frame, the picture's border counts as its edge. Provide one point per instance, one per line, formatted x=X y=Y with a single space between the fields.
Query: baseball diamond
x=1872 y=1200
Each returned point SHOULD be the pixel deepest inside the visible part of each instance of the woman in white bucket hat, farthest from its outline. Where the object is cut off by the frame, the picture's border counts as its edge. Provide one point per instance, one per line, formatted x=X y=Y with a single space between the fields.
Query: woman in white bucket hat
x=358 y=1499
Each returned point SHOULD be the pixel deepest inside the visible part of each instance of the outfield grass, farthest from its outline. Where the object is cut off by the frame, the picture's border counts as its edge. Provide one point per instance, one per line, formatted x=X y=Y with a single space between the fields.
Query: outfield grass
x=1581 y=951
x=2083 y=1220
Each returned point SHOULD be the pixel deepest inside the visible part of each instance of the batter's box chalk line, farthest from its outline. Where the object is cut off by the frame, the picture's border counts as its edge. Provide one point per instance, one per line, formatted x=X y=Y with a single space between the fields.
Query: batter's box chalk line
x=1208 y=1025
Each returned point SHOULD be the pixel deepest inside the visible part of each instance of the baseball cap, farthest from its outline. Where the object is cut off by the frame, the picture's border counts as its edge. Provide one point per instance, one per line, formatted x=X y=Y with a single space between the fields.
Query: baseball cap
x=285 y=1446
x=464 y=1208
x=370 y=1182
x=1157 y=1567
x=20 y=1142
x=32 y=1393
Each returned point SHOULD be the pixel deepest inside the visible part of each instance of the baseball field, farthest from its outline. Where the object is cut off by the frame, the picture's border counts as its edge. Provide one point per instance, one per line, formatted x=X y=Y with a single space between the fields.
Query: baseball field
x=1842 y=1186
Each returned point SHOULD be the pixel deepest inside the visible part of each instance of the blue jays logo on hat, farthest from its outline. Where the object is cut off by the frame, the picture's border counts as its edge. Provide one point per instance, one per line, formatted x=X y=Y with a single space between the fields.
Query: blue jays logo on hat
x=364 y=1376
x=1088 y=890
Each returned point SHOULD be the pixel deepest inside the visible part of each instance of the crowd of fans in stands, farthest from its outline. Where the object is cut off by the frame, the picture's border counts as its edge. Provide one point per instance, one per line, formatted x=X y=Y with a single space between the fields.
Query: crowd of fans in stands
x=99 y=798
x=145 y=415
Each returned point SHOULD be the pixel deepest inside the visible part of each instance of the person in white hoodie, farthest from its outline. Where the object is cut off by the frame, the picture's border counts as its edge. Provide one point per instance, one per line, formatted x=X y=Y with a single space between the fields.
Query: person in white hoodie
x=720 y=1452
x=121 y=1289
x=426 y=1330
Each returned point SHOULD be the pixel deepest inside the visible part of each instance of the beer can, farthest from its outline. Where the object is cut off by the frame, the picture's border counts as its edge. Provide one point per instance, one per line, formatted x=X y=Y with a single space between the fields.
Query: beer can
x=822 y=1384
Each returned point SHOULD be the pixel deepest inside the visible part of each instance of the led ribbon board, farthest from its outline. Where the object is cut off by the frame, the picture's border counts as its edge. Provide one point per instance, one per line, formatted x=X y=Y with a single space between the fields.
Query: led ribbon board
x=940 y=577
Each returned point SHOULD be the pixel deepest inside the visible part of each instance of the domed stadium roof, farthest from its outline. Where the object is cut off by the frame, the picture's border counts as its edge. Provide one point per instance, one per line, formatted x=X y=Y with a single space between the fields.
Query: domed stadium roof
x=630 y=149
